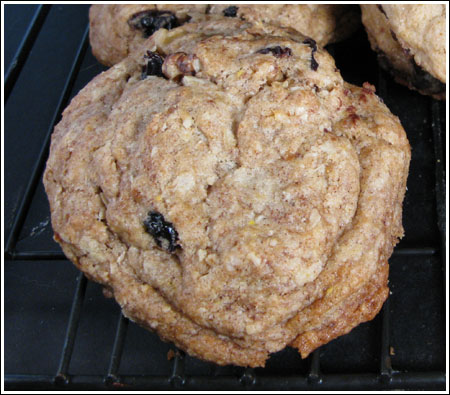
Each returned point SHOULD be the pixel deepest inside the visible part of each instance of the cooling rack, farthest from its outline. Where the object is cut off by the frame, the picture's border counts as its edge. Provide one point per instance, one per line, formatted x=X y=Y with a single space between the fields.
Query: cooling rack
x=60 y=331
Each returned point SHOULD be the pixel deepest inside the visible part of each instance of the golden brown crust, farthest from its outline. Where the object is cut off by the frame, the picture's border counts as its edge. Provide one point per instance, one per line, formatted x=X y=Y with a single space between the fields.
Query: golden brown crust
x=362 y=306
x=284 y=185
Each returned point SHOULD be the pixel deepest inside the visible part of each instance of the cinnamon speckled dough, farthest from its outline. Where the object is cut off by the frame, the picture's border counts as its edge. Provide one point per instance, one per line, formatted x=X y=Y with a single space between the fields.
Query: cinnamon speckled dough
x=410 y=41
x=113 y=37
x=283 y=183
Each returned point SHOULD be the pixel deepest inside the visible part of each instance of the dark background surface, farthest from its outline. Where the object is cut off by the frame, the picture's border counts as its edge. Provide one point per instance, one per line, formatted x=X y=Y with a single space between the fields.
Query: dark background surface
x=40 y=284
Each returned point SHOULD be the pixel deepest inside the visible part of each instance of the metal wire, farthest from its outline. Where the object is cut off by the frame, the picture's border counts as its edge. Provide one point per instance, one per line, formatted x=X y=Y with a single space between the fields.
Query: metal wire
x=177 y=378
x=59 y=255
x=385 y=358
x=43 y=154
x=438 y=134
x=314 y=371
x=25 y=46
x=363 y=381
x=116 y=355
x=69 y=341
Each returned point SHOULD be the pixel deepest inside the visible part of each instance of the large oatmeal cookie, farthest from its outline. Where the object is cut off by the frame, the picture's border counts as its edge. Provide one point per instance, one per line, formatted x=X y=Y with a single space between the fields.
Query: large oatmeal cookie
x=231 y=190
x=117 y=29
x=410 y=42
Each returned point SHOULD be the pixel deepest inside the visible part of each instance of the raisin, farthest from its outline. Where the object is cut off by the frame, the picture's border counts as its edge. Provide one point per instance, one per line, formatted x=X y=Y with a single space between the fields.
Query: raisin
x=277 y=51
x=313 y=45
x=230 y=11
x=152 y=20
x=162 y=231
x=153 y=66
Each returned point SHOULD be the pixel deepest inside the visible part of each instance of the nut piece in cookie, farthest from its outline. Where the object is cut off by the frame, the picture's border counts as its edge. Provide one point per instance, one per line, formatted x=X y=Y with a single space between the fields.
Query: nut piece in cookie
x=180 y=64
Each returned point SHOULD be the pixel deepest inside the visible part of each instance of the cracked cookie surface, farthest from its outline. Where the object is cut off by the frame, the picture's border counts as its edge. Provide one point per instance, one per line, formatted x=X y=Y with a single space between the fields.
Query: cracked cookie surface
x=116 y=30
x=237 y=198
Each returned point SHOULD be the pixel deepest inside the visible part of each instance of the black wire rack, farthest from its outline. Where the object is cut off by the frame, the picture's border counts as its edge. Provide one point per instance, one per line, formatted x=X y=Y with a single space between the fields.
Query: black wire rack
x=403 y=348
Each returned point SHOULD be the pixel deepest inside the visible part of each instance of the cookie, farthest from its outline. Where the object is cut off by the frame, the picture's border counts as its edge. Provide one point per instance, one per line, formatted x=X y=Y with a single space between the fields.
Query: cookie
x=410 y=42
x=231 y=191
x=116 y=30
x=325 y=23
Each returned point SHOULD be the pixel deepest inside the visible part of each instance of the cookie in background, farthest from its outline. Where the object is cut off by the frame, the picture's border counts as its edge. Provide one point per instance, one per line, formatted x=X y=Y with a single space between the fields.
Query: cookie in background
x=410 y=42
x=115 y=30
x=118 y=29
